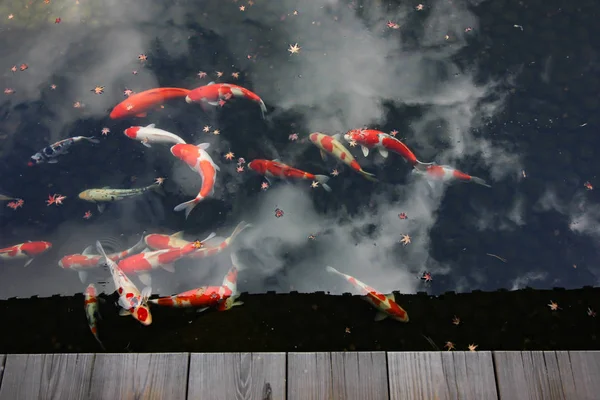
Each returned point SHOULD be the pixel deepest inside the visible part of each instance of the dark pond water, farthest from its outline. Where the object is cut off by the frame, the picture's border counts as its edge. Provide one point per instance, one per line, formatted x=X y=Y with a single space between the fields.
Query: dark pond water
x=506 y=91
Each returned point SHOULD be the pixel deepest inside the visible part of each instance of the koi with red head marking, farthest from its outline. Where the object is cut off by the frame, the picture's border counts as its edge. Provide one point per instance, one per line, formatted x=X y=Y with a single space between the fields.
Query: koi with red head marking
x=91 y=311
x=86 y=260
x=139 y=103
x=331 y=145
x=371 y=138
x=151 y=134
x=386 y=304
x=276 y=169
x=444 y=173
x=199 y=161
x=132 y=302
x=215 y=94
x=26 y=251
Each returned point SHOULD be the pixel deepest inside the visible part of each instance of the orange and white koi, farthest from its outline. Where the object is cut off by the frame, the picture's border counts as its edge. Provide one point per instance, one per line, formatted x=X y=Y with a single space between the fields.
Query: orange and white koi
x=150 y=134
x=132 y=302
x=385 y=304
x=331 y=145
x=445 y=173
x=371 y=138
x=86 y=260
x=143 y=263
x=26 y=250
x=217 y=93
x=275 y=168
x=92 y=312
x=199 y=161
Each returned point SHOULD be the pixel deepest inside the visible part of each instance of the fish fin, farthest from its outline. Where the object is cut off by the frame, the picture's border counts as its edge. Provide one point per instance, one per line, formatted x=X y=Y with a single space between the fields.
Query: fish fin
x=146 y=292
x=323 y=155
x=199 y=310
x=188 y=206
x=212 y=235
x=101 y=249
x=141 y=115
x=91 y=139
x=145 y=278
x=263 y=109
x=421 y=166
x=178 y=235
x=213 y=103
x=147 y=144
x=383 y=152
x=337 y=137
x=153 y=301
x=237 y=303
x=390 y=296
x=269 y=179
x=168 y=267
x=369 y=176
x=380 y=316
x=276 y=160
x=124 y=313
x=52 y=161
x=203 y=146
x=101 y=207
x=101 y=300
x=210 y=83
x=87 y=251
x=479 y=181
x=322 y=179
x=82 y=276
x=216 y=167
x=365 y=150
x=150 y=126
x=28 y=262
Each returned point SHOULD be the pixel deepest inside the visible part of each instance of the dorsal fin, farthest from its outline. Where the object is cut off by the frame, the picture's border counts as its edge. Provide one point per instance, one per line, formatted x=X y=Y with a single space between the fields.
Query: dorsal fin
x=150 y=126
x=177 y=235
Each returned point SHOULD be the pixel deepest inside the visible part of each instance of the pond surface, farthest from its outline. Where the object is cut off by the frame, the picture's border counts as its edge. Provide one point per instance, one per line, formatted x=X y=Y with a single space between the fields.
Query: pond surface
x=504 y=91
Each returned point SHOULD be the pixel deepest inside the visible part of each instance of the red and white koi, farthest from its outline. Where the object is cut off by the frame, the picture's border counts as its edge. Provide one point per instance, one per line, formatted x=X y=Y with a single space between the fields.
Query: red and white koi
x=143 y=263
x=150 y=134
x=216 y=94
x=26 y=251
x=86 y=260
x=199 y=161
x=277 y=169
x=331 y=145
x=92 y=312
x=445 y=173
x=374 y=139
x=385 y=304
x=50 y=153
x=132 y=302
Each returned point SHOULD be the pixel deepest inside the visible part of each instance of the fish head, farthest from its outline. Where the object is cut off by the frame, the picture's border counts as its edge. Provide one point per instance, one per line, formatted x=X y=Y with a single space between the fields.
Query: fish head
x=314 y=137
x=35 y=159
x=90 y=291
x=132 y=131
x=258 y=166
x=85 y=195
x=34 y=248
x=142 y=314
x=179 y=150
x=119 y=111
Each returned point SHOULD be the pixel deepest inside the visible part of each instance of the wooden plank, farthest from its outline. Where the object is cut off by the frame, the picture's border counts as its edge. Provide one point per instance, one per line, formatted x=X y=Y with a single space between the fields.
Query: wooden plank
x=2 y=361
x=359 y=375
x=585 y=366
x=309 y=376
x=140 y=376
x=417 y=375
x=46 y=376
x=470 y=375
x=230 y=376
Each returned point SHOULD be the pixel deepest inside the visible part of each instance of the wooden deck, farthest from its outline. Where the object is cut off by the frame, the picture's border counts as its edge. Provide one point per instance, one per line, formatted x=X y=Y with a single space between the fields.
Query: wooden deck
x=295 y=376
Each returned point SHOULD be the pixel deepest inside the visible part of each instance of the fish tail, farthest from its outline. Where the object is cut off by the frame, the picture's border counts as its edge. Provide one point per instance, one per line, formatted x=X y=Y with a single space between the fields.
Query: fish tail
x=479 y=181
x=188 y=206
x=332 y=270
x=239 y=228
x=91 y=139
x=153 y=301
x=322 y=179
x=100 y=343
x=263 y=108
x=369 y=176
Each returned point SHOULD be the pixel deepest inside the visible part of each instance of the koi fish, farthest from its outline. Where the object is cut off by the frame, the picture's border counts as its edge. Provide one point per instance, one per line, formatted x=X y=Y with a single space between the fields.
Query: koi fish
x=206 y=296
x=26 y=250
x=278 y=169
x=445 y=173
x=131 y=301
x=199 y=161
x=331 y=145
x=371 y=138
x=157 y=241
x=106 y=194
x=149 y=134
x=139 y=103
x=230 y=282
x=49 y=153
x=217 y=93
x=91 y=311
x=386 y=304
x=86 y=260
x=143 y=263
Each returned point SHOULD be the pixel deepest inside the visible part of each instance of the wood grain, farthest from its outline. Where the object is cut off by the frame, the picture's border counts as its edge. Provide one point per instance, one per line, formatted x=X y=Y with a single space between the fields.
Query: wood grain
x=2 y=360
x=140 y=376
x=469 y=375
x=414 y=375
x=359 y=375
x=585 y=368
x=236 y=376
x=309 y=376
x=46 y=376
